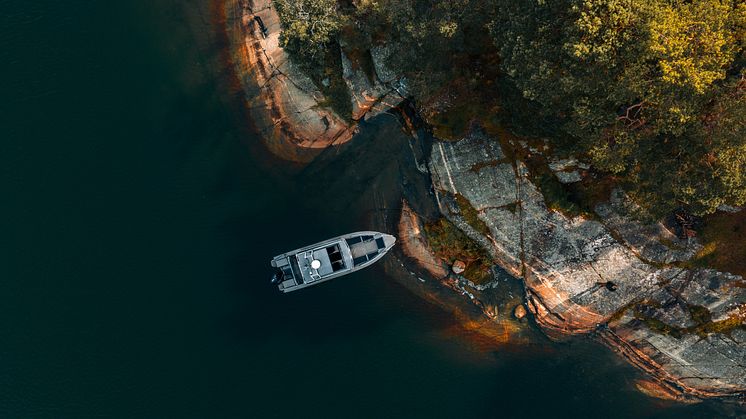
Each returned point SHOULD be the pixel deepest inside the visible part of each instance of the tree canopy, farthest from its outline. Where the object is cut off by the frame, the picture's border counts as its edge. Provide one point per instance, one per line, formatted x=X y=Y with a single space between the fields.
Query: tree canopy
x=308 y=25
x=652 y=91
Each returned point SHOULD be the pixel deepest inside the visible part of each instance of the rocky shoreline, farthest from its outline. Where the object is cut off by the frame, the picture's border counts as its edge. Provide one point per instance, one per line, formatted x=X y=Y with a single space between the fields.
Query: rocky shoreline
x=603 y=275
x=284 y=103
x=684 y=326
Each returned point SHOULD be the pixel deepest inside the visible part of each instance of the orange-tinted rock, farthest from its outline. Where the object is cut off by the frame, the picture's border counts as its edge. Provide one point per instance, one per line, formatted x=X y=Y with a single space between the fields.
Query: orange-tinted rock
x=458 y=267
x=519 y=312
x=586 y=275
x=414 y=245
x=283 y=101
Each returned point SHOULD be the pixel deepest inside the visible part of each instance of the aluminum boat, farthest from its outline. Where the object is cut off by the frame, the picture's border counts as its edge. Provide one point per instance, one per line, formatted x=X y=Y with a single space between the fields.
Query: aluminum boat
x=329 y=259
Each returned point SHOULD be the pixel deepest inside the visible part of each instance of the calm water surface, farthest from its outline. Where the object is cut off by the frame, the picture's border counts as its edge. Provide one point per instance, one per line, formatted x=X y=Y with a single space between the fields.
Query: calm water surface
x=138 y=215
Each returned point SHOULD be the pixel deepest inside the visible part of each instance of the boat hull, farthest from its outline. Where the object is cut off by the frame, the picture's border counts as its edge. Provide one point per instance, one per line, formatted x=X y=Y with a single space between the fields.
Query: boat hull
x=329 y=259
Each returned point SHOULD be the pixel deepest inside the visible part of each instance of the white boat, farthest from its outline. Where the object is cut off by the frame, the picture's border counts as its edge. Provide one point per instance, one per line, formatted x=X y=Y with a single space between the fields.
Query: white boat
x=329 y=259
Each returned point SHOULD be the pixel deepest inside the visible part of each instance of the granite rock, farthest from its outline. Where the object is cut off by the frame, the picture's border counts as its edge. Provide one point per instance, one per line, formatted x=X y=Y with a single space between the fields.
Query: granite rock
x=653 y=241
x=600 y=275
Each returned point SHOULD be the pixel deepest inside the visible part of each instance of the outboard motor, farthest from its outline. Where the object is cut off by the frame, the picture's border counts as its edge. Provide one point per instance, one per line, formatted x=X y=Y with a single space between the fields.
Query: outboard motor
x=277 y=277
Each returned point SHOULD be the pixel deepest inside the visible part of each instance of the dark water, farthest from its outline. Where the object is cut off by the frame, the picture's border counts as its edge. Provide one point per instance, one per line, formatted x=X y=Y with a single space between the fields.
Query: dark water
x=138 y=214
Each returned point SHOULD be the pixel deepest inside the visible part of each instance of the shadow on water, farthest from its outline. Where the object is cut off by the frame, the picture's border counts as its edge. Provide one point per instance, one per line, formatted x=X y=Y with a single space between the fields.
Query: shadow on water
x=340 y=191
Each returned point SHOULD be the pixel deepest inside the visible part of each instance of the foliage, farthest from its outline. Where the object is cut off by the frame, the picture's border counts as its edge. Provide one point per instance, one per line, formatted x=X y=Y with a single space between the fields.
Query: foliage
x=309 y=34
x=308 y=25
x=426 y=37
x=651 y=90
x=471 y=215
x=691 y=42
x=451 y=244
x=644 y=312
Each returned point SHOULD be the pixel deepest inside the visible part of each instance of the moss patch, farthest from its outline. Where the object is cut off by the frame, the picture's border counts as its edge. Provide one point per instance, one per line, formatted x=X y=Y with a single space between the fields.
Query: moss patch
x=700 y=315
x=512 y=207
x=556 y=196
x=658 y=326
x=471 y=216
x=451 y=244
x=724 y=327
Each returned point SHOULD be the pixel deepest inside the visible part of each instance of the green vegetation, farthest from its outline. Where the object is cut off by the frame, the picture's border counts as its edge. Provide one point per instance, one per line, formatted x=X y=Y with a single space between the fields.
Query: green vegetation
x=451 y=244
x=477 y=167
x=722 y=236
x=656 y=325
x=652 y=92
x=701 y=316
x=723 y=326
x=308 y=26
x=309 y=35
x=471 y=216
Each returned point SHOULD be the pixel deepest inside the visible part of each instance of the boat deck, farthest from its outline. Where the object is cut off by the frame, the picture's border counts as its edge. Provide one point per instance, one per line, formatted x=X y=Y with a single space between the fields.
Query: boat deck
x=329 y=259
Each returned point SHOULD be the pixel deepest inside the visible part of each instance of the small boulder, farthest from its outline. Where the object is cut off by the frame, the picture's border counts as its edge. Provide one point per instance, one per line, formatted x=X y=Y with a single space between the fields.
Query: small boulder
x=729 y=208
x=519 y=312
x=458 y=267
x=491 y=312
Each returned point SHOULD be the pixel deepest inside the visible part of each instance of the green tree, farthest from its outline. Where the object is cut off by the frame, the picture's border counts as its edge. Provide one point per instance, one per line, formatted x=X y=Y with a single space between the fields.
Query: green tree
x=308 y=25
x=650 y=90
x=692 y=42
x=424 y=36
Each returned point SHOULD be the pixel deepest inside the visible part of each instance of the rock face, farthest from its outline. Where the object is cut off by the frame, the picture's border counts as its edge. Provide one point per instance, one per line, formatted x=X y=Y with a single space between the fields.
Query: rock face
x=580 y=278
x=646 y=241
x=373 y=93
x=663 y=333
x=414 y=244
x=568 y=170
x=284 y=102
